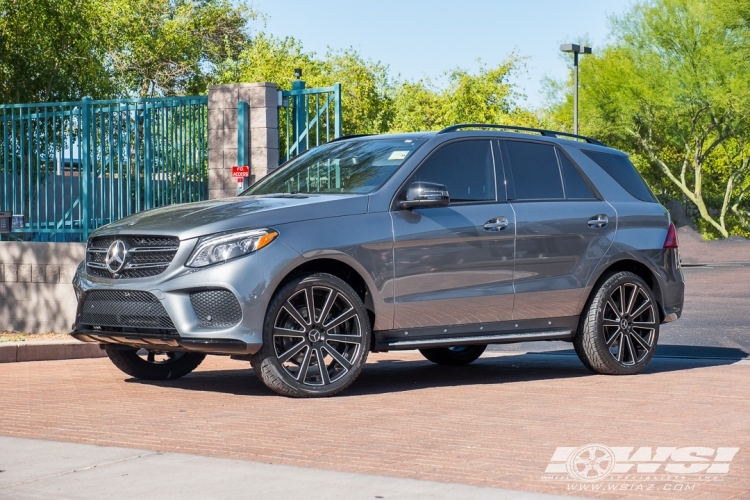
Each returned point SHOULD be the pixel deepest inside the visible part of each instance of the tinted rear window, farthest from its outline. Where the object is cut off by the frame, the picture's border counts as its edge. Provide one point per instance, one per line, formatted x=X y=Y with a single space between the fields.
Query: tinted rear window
x=621 y=170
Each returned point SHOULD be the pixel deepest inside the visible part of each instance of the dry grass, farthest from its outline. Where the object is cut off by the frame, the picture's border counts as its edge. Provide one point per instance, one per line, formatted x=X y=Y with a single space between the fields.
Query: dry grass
x=6 y=336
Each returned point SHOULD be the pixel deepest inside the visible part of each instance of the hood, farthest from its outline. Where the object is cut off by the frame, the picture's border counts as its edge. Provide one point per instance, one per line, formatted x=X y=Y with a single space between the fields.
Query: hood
x=190 y=220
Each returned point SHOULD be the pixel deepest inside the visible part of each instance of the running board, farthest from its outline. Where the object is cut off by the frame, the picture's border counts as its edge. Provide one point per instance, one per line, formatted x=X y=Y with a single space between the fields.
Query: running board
x=480 y=339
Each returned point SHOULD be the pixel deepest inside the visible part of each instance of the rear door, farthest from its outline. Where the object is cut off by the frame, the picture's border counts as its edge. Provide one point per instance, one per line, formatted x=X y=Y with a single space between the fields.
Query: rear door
x=454 y=264
x=563 y=228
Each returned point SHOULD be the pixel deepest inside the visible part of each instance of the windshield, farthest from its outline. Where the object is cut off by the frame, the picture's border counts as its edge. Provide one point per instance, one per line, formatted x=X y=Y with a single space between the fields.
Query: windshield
x=346 y=167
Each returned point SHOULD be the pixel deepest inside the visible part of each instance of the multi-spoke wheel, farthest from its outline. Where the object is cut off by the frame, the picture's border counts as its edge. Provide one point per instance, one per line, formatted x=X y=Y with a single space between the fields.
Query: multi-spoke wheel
x=316 y=338
x=457 y=355
x=153 y=365
x=618 y=333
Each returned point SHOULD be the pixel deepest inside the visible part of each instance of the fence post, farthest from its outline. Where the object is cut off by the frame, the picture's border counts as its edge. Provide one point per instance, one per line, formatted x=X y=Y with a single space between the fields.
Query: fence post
x=337 y=94
x=147 y=158
x=300 y=117
x=243 y=140
x=86 y=164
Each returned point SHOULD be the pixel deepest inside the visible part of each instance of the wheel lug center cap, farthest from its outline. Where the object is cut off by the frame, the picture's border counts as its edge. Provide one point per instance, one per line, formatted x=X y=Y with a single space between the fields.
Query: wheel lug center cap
x=314 y=335
x=624 y=324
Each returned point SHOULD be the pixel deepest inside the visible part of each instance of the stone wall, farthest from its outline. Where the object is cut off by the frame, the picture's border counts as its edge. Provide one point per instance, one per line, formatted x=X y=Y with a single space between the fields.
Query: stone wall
x=36 y=294
x=263 y=134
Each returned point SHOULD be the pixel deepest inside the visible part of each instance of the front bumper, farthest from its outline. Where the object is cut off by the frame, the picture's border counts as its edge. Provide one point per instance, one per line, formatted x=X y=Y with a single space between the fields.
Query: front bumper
x=248 y=278
x=163 y=342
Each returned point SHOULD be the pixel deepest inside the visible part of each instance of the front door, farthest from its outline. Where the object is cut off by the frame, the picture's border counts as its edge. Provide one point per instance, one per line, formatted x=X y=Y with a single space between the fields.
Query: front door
x=454 y=264
x=562 y=229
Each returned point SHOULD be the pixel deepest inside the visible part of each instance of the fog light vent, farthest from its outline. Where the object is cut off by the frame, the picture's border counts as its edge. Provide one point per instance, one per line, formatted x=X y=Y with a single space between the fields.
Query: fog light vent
x=216 y=308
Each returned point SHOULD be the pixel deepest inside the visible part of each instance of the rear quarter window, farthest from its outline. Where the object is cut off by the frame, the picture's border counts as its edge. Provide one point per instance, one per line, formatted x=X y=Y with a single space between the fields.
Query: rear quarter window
x=622 y=170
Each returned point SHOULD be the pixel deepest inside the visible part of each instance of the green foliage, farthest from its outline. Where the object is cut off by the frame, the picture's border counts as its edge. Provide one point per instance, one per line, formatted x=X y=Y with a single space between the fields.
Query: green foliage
x=367 y=103
x=485 y=97
x=373 y=102
x=57 y=50
x=52 y=50
x=672 y=89
x=169 y=47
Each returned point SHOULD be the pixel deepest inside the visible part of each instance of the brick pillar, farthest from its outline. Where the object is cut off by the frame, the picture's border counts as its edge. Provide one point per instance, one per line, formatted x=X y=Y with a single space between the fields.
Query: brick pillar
x=222 y=134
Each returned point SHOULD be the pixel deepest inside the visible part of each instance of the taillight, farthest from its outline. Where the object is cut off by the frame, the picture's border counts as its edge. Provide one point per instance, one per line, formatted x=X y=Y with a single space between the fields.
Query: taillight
x=671 y=241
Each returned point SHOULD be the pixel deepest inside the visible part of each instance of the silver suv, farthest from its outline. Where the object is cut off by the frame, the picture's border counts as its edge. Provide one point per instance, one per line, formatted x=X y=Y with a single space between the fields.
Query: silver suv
x=443 y=242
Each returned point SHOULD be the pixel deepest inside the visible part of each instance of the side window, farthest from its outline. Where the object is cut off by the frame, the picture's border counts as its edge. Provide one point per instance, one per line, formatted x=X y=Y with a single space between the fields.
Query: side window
x=624 y=172
x=534 y=169
x=575 y=186
x=465 y=168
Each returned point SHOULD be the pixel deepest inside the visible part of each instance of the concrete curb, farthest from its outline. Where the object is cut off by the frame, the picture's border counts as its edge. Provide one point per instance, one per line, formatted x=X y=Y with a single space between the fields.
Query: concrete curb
x=11 y=352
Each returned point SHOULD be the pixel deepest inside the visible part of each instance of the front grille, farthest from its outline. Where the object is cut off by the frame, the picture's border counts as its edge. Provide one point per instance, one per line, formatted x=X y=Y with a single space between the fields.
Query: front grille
x=216 y=308
x=121 y=308
x=147 y=255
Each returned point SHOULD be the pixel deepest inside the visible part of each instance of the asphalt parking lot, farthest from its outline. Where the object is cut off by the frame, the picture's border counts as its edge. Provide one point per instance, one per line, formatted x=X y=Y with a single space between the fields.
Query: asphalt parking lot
x=499 y=423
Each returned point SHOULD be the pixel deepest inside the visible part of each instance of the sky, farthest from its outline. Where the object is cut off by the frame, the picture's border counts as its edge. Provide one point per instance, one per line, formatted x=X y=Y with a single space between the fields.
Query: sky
x=421 y=38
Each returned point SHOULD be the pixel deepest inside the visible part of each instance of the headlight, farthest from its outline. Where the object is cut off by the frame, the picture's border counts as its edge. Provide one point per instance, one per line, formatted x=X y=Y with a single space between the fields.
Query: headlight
x=226 y=246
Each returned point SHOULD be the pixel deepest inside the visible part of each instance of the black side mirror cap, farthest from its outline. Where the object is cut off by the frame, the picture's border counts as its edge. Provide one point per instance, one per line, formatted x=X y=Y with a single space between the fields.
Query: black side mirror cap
x=425 y=194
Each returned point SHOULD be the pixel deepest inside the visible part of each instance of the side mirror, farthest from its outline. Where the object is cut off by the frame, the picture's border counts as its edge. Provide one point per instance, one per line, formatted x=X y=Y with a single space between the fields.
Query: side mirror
x=425 y=194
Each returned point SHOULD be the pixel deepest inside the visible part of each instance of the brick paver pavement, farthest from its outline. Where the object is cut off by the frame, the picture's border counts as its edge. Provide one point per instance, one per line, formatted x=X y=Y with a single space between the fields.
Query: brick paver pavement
x=494 y=423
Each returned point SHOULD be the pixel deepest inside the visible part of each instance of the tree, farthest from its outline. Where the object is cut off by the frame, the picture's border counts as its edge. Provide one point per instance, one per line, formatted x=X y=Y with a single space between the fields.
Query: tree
x=52 y=50
x=61 y=50
x=365 y=84
x=484 y=97
x=172 y=47
x=673 y=89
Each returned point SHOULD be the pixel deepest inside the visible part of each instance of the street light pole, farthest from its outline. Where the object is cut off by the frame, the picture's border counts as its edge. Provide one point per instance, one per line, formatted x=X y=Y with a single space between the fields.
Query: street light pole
x=575 y=49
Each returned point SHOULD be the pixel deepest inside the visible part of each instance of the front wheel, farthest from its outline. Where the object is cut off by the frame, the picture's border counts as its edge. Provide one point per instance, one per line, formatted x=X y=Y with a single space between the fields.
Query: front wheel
x=619 y=331
x=457 y=355
x=153 y=365
x=316 y=338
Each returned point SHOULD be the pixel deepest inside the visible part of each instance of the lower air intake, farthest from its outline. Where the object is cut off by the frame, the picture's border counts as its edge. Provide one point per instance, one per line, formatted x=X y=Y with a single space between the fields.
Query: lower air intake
x=121 y=308
x=216 y=308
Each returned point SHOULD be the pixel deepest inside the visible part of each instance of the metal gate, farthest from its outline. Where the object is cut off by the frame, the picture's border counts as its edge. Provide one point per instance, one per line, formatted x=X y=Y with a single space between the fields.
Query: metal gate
x=71 y=167
x=311 y=117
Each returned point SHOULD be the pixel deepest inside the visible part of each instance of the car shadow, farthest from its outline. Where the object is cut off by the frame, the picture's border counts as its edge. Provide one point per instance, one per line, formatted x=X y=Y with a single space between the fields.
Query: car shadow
x=381 y=376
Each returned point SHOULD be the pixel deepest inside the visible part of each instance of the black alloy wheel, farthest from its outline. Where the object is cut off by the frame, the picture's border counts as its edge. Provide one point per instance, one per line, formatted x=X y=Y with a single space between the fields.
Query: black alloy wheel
x=619 y=332
x=316 y=338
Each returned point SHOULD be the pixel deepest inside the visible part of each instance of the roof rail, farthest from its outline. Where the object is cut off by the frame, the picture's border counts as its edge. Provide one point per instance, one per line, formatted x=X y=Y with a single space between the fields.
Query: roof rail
x=545 y=133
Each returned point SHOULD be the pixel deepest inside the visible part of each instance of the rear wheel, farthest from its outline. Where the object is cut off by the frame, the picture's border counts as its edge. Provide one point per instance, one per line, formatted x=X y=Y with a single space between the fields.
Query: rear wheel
x=619 y=332
x=457 y=355
x=153 y=365
x=315 y=338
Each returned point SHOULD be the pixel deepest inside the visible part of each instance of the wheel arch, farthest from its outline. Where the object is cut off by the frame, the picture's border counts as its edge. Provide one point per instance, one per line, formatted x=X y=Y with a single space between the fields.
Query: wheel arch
x=636 y=267
x=340 y=269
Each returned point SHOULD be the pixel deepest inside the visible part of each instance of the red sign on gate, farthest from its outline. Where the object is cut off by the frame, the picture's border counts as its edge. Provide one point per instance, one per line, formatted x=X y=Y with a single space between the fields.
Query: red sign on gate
x=240 y=172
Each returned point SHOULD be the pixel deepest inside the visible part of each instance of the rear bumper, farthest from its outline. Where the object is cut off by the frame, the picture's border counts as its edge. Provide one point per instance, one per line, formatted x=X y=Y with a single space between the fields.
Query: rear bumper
x=672 y=287
x=167 y=343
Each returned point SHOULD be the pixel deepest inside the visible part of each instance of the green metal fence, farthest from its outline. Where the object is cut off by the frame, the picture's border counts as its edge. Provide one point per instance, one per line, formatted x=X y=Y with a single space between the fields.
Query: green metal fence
x=311 y=117
x=71 y=167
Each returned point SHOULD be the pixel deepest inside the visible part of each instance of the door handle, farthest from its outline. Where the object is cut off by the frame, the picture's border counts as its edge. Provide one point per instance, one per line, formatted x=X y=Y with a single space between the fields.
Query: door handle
x=599 y=221
x=496 y=224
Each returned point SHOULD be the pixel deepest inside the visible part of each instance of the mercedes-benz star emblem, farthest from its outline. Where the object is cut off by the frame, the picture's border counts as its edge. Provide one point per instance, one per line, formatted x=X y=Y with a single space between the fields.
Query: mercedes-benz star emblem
x=117 y=254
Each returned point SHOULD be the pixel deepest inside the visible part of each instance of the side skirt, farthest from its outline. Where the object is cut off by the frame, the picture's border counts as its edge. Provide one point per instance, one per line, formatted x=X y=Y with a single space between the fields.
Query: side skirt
x=503 y=332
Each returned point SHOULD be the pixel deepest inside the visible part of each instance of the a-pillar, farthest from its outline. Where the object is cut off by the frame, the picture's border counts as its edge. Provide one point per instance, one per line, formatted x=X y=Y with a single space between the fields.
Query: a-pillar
x=262 y=135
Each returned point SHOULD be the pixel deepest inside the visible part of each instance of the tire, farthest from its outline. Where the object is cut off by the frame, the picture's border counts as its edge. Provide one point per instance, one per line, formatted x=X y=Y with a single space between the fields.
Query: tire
x=143 y=365
x=294 y=344
x=619 y=330
x=454 y=356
